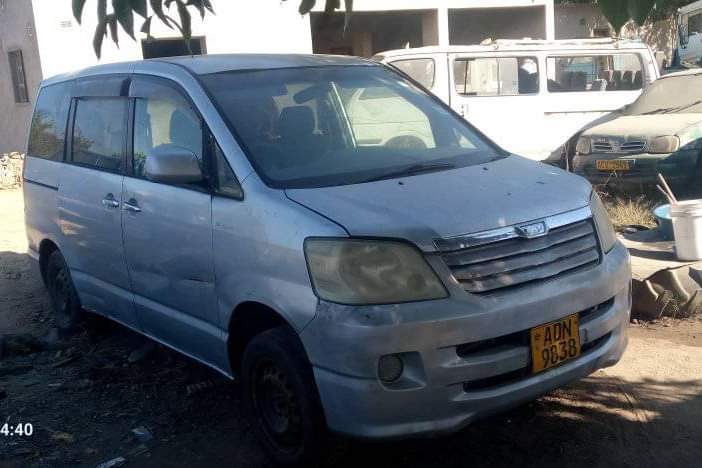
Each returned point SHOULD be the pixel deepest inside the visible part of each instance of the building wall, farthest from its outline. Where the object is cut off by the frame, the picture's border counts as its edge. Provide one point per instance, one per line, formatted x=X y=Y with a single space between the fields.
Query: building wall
x=17 y=31
x=261 y=26
x=473 y=26
x=578 y=21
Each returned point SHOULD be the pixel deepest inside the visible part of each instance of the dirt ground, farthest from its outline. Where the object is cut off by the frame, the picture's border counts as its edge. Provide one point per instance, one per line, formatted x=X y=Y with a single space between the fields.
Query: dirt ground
x=85 y=395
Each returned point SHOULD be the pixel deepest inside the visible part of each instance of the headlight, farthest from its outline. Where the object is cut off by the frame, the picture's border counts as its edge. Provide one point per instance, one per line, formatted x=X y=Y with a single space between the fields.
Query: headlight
x=605 y=231
x=584 y=145
x=355 y=271
x=664 y=144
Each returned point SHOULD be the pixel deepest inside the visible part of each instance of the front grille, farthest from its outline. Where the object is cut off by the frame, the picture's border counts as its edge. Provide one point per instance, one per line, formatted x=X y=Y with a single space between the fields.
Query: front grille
x=607 y=146
x=517 y=261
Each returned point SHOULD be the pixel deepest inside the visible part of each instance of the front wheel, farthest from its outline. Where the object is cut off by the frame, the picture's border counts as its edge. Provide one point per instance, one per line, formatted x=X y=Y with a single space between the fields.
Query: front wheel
x=64 y=299
x=281 y=398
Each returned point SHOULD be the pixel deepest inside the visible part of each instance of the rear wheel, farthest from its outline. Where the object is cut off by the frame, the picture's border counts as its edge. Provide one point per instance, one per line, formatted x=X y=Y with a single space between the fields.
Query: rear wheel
x=64 y=299
x=281 y=398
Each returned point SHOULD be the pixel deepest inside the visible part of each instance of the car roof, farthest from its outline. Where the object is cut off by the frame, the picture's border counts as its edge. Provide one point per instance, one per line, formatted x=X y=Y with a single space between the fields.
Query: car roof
x=522 y=45
x=217 y=63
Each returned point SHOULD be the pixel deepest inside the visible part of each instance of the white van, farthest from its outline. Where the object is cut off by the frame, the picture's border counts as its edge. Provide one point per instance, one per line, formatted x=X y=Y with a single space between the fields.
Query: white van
x=529 y=96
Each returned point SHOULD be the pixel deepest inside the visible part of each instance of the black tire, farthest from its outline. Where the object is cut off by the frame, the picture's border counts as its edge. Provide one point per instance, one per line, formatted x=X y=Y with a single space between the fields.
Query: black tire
x=281 y=399
x=64 y=299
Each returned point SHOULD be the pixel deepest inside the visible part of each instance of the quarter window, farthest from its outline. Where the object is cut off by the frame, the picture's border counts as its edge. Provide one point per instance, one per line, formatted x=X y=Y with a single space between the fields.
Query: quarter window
x=496 y=76
x=48 y=130
x=420 y=70
x=620 y=72
x=99 y=133
x=163 y=118
x=19 y=79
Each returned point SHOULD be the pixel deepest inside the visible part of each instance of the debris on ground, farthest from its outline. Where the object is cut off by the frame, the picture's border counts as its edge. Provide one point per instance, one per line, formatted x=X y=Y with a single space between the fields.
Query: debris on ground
x=192 y=389
x=64 y=437
x=115 y=462
x=142 y=434
x=142 y=352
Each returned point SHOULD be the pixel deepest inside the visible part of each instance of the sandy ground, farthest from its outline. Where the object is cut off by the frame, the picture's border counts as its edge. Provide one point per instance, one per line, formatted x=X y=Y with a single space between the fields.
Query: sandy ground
x=84 y=400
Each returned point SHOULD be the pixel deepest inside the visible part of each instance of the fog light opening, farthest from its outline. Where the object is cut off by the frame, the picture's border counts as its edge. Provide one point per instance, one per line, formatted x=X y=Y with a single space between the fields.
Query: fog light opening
x=390 y=368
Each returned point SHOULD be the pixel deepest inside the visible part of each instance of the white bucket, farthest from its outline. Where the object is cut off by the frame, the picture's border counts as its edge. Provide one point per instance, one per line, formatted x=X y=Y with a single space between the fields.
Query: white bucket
x=687 y=227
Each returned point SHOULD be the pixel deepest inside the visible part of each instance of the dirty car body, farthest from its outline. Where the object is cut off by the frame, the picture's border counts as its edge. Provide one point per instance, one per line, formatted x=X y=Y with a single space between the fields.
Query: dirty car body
x=661 y=132
x=410 y=275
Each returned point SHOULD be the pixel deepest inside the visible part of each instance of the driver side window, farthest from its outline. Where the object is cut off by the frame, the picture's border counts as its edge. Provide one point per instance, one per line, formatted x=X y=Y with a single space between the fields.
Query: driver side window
x=162 y=117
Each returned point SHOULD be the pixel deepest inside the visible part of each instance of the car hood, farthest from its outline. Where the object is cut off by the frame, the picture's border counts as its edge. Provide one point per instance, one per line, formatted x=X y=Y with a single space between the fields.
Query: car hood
x=425 y=207
x=647 y=126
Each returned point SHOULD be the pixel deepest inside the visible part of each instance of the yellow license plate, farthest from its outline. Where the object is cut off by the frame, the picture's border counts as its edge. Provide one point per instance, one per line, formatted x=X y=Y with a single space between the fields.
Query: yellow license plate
x=555 y=343
x=612 y=165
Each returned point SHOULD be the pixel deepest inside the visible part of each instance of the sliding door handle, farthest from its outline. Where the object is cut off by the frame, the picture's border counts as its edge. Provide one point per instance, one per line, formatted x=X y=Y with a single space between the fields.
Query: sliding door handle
x=132 y=206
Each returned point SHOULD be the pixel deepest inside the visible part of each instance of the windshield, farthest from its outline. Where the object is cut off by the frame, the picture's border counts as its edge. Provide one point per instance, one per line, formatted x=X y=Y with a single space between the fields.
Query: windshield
x=677 y=94
x=315 y=127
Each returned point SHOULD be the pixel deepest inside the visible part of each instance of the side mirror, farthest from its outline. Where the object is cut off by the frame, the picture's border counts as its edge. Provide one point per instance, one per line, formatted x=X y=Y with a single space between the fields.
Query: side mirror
x=173 y=164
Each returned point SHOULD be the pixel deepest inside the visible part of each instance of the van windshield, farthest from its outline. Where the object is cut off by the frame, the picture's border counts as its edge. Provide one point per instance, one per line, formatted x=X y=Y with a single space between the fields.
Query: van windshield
x=325 y=126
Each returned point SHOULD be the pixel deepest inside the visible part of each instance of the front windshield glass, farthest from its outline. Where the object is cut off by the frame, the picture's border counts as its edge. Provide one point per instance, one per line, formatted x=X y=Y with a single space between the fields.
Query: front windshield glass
x=677 y=94
x=324 y=126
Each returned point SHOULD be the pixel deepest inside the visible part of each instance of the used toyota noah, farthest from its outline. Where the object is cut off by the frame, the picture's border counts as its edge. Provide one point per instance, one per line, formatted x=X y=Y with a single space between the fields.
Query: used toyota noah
x=326 y=231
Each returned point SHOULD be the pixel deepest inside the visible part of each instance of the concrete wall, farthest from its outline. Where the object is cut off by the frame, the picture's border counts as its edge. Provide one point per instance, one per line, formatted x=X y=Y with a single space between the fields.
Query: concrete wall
x=261 y=26
x=473 y=26
x=17 y=31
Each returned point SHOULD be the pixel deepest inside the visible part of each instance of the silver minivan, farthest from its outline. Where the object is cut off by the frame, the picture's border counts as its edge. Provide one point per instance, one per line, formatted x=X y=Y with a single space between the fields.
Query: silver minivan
x=237 y=209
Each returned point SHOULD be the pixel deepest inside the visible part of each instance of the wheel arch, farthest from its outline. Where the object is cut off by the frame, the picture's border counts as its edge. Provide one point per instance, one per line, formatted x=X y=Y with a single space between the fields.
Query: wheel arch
x=249 y=319
x=46 y=248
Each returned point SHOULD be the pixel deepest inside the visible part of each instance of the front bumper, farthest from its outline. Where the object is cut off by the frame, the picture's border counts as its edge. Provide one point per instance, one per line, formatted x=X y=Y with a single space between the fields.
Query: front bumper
x=678 y=168
x=445 y=385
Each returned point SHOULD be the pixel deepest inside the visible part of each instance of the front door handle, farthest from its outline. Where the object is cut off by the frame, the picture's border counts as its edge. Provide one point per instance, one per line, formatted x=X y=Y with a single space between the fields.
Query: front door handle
x=132 y=206
x=109 y=201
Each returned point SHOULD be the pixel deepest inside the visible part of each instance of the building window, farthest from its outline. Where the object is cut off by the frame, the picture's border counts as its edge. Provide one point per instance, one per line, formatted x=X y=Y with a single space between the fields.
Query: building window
x=19 y=80
x=155 y=48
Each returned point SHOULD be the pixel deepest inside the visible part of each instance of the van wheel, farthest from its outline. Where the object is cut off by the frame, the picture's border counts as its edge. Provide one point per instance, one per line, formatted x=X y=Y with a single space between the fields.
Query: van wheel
x=281 y=398
x=64 y=299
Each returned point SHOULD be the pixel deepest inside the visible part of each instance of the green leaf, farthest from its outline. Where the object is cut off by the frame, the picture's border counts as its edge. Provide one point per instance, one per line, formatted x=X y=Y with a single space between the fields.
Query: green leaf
x=199 y=6
x=102 y=11
x=640 y=10
x=331 y=5
x=112 y=23
x=78 y=9
x=185 y=22
x=157 y=6
x=139 y=6
x=146 y=27
x=347 y=17
x=100 y=32
x=306 y=6
x=616 y=12
x=208 y=5
x=123 y=12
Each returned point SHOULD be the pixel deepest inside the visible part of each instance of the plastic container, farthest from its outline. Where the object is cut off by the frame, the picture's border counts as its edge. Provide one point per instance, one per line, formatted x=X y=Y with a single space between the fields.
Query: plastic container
x=665 y=223
x=687 y=227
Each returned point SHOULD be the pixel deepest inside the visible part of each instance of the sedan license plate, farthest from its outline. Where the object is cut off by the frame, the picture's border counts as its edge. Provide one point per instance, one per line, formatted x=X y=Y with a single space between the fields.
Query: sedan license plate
x=613 y=165
x=555 y=343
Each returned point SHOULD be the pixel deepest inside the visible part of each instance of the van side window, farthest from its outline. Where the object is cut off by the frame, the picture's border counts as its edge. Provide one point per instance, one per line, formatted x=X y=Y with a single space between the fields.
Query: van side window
x=163 y=118
x=496 y=76
x=421 y=70
x=99 y=133
x=577 y=73
x=48 y=131
x=226 y=182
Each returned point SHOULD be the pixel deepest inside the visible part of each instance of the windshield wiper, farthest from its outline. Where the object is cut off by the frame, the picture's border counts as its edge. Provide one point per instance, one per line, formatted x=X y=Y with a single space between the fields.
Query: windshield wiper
x=412 y=170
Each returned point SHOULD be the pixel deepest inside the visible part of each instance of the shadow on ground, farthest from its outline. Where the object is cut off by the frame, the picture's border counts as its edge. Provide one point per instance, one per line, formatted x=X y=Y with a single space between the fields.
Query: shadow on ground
x=85 y=396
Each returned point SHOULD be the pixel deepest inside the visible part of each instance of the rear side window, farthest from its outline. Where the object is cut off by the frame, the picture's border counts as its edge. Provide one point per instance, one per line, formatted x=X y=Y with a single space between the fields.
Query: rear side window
x=420 y=70
x=99 y=133
x=577 y=73
x=496 y=76
x=48 y=131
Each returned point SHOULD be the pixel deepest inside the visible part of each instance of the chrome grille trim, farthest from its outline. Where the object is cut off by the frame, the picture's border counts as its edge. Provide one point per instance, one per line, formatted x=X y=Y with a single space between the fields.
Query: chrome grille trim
x=500 y=259
x=618 y=146
x=510 y=232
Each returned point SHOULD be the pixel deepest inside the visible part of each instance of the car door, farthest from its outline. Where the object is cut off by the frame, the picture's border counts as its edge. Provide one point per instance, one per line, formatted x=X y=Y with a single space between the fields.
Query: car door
x=501 y=94
x=168 y=228
x=90 y=197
